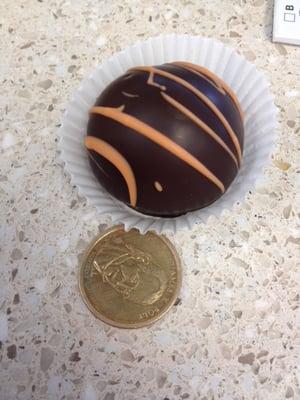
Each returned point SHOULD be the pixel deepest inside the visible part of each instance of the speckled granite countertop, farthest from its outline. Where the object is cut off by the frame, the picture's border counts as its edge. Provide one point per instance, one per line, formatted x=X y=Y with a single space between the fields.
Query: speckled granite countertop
x=234 y=333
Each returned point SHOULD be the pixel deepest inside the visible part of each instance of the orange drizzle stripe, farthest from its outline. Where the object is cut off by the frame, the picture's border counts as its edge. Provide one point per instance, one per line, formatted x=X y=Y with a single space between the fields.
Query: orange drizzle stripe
x=200 y=123
x=112 y=155
x=210 y=78
x=151 y=82
x=214 y=78
x=98 y=165
x=202 y=97
x=159 y=138
x=129 y=94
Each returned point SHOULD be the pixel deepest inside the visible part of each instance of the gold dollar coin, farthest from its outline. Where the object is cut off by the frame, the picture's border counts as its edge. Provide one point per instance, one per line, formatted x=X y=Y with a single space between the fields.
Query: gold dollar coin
x=130 y=280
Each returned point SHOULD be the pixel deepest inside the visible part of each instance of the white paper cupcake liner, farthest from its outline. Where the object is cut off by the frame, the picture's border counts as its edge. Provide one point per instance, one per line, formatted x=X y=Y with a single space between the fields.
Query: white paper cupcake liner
x=249 y=85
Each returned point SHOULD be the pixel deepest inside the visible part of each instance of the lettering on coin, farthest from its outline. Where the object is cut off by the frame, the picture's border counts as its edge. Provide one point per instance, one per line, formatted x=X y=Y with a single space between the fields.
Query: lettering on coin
x=149 y=313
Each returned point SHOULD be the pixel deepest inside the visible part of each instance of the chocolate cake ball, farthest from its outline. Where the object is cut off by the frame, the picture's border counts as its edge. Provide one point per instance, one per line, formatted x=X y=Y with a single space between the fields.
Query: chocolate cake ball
x=166 y=139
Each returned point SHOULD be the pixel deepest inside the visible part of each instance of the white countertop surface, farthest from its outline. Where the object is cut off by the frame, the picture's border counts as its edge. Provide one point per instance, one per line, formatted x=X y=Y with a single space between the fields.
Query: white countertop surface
x=235 y=332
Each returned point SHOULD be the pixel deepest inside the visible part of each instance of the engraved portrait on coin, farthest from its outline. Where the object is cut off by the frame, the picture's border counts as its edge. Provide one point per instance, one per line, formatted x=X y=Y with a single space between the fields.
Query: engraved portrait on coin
x=132 y=273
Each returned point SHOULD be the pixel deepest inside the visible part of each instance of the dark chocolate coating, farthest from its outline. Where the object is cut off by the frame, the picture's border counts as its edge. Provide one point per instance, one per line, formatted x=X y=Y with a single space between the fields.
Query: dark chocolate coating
x=167 y=182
